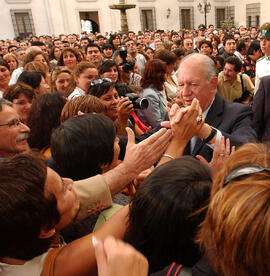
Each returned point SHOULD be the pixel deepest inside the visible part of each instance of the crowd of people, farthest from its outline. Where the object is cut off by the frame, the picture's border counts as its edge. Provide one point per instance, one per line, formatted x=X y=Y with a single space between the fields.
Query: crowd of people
x=140 y=154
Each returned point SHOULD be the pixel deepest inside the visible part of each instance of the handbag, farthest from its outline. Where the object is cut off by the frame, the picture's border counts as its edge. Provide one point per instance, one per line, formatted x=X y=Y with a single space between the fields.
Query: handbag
x=246 y=95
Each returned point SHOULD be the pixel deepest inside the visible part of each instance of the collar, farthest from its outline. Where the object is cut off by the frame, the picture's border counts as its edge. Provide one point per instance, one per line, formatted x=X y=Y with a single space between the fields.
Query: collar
x=206 y=111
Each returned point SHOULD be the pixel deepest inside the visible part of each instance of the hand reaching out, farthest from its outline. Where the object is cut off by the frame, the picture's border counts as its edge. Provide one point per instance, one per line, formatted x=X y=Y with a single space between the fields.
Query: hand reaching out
x=116 y=258
x=221 y=153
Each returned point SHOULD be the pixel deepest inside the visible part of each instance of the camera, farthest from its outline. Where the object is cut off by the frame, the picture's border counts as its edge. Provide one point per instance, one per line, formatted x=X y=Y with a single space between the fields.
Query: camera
x=126 y=66
x=139 y=103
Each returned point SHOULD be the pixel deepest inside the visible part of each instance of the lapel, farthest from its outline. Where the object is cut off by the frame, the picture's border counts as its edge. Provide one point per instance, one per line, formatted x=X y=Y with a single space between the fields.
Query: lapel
x=213 y=118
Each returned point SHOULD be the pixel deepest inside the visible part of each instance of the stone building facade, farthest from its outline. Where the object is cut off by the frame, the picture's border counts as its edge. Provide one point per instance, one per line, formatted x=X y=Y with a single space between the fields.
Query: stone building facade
x=18 y=17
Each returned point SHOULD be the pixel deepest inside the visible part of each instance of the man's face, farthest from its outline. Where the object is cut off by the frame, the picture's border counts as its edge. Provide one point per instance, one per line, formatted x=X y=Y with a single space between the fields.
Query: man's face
x=71 y=39
x=157 y=36
x=230 y=46
x=131 y=36
x=12 y=50
x=229 y=73
x=84 y=43
x=101 y=41
x=265 y=46
x=13 y=134
x=23 y=45
x=175 y=37
x=188 y=44
x=192 y=85
x=140 y=39
x=131 y=47
x=59 y=44
x=93 y=55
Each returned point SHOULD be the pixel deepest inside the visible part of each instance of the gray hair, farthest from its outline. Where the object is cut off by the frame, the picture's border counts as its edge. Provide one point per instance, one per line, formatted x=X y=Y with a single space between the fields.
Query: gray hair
x=4 y=102
x=206 y=62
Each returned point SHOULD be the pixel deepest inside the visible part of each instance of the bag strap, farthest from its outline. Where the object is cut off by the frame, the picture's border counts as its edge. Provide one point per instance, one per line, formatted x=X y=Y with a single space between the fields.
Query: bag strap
x=48 y=266
x=242 y=83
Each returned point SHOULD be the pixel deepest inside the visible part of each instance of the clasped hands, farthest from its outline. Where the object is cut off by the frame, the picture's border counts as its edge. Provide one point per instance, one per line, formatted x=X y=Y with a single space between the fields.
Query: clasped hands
x=185 y=122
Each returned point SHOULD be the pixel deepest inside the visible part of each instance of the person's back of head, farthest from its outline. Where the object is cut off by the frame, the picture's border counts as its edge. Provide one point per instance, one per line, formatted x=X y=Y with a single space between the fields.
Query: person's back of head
x=161 y=221
x=24 y=207
x=83 y=145
x=43 y=117
x=85 y=104
x=31 y=78
x=235 y=232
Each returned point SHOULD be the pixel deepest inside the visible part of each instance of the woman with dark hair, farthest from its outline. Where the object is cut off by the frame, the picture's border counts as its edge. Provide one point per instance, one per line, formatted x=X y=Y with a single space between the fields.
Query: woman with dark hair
x=149 y=53
x=21 y=96
x=95 y=134
x=4 y=76
x=162 y=224
x=153 y=80
x=254 y=52
x=36 y=80
x=109 y=69
x=206 y=47
x=115 y=41
x=69 y=57
x=54 y=55
x=117 y=109
x=44 y=116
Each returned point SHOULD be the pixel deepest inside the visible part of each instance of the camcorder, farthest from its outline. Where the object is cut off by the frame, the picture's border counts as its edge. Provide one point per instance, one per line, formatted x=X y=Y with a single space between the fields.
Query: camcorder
x=126 y=66
x=139 y=103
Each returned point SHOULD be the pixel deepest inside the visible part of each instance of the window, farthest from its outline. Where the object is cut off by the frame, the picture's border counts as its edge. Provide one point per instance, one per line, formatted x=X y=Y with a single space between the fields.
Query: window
x=186 y=18
x=253 y=12
x=148 y=19
x=220 y=16
x=22 y=22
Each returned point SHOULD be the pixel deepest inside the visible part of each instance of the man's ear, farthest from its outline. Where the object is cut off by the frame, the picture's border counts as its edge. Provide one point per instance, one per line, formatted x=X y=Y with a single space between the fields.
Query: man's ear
x=214 y=82
x=45 y=234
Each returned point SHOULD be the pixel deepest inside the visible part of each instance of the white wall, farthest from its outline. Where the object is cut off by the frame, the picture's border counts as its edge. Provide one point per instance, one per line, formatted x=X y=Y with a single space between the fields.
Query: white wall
x=62 y=16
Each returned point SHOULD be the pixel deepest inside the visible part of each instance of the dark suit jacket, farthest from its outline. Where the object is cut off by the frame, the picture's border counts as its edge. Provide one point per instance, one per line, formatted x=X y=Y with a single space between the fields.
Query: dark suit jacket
x=261 y=110
x=234 y=120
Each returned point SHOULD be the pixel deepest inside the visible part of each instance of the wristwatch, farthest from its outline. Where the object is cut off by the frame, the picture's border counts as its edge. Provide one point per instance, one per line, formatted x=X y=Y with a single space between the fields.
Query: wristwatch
x=211 y=135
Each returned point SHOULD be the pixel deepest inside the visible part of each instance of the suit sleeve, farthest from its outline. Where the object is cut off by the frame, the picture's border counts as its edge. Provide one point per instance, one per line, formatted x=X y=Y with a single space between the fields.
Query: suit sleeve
x=258 y=111
x=92 y=192
x=240 y=130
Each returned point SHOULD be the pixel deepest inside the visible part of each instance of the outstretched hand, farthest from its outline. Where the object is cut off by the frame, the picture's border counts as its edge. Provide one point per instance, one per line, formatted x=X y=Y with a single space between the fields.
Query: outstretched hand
x=116 y=258
x=221 y=153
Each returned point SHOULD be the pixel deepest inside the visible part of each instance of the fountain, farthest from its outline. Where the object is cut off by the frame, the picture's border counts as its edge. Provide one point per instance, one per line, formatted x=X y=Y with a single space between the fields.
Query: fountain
x=122 y=6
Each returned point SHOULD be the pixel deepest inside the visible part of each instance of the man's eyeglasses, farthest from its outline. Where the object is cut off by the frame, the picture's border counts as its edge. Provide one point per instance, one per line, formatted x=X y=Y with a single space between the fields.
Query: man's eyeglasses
x=14 y=123
x=100 y=81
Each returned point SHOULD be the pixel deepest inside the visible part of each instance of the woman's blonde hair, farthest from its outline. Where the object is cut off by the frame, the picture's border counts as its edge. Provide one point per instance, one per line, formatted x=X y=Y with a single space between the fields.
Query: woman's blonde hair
x=36 y=66
x=56 y=72
x=235 y=234
x=10 y=55
x=85 y=104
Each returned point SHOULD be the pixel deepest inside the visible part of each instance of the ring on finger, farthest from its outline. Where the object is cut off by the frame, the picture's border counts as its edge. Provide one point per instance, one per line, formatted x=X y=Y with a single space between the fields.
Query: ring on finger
x=221 y=154
x=199 y=119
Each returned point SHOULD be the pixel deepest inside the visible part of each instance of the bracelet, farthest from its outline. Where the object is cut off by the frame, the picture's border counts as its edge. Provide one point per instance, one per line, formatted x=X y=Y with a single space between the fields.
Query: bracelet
x=168 y=155
x=211 y=135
